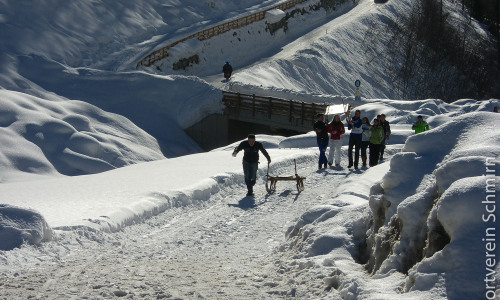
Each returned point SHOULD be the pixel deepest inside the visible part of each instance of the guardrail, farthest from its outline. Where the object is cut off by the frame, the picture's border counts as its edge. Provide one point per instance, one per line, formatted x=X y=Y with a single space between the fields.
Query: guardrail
x=215 y=30
x=273 y=106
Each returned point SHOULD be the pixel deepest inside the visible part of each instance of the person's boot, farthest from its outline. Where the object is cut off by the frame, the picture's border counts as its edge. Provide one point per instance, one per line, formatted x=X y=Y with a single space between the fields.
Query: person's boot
x=364 y=161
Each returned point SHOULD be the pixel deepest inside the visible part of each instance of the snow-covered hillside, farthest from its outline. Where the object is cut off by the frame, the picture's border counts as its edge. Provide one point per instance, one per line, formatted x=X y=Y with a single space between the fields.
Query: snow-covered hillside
x=155 y=218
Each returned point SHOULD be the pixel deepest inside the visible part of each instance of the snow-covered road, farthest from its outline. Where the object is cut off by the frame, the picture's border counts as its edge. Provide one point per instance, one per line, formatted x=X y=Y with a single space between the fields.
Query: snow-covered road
x=224 y=248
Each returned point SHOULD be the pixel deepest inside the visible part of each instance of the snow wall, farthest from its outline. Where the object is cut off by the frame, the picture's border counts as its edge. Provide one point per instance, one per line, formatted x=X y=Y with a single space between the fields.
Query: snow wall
x=432 y=217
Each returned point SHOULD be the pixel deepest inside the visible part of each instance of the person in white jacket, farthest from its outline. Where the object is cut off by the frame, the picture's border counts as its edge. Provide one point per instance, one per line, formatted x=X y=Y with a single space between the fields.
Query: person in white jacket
x=365 y=139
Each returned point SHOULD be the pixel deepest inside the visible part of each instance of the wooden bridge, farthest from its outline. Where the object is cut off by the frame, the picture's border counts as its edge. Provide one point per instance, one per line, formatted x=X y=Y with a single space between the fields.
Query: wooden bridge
x=244 y=114
x=273 y=112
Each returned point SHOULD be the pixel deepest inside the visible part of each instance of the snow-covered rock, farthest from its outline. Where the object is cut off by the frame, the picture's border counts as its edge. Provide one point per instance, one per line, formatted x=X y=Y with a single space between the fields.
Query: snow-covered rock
x=19 y=225
x=274 y=15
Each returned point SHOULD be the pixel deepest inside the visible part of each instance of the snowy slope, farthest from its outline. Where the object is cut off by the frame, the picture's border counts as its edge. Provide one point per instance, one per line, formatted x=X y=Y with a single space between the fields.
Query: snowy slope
x=329 y=59
x=107 y=36
x=413 y=227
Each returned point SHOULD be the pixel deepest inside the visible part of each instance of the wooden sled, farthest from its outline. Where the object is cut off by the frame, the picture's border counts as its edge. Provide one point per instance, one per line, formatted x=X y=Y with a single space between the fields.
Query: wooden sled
x=272 y=180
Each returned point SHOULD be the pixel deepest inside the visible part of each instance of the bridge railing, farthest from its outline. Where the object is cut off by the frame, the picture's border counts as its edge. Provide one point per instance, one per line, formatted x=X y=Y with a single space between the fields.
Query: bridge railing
x=272 y=106
x=213 y=31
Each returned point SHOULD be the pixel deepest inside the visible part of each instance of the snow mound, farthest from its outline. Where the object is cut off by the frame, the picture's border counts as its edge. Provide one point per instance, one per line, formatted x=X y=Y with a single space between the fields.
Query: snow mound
x=430 y=210
x=21 y=225
x=43 y=137
x=153 y=103
x=466 y=219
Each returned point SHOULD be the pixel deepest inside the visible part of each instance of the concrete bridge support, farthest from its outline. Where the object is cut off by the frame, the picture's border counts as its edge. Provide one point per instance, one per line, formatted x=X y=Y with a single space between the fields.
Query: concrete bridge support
x=219 y=130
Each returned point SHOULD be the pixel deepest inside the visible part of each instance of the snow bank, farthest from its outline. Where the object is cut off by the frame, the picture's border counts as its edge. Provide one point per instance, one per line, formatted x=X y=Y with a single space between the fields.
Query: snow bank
x=160 y=105
x=431 y=218
x=111 y=200
x=328 y=229
x=20 y=225
x=468 y=264
x=430 y=213
x=44 y=137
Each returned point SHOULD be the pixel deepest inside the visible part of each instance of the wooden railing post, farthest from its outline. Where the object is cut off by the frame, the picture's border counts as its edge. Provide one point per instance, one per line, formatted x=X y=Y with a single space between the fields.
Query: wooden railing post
x=303 y=113
x=313 y=111
x=239 y=103
x=270 y=107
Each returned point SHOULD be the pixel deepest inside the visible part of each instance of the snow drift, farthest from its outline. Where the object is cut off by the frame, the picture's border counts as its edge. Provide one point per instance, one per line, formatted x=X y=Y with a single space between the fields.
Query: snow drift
x=44 y=137
x=432 y=216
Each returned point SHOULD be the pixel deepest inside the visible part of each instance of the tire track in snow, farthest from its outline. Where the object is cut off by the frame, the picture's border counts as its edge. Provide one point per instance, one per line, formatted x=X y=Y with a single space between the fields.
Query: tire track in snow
x=218 y=249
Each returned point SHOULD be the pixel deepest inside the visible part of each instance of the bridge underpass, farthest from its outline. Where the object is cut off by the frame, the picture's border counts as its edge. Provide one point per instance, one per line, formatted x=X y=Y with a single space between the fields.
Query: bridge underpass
x=244 y=114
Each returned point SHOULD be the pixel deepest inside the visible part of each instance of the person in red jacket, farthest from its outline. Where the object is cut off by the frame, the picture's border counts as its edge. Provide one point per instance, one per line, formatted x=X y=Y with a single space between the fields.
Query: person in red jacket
x=335 y=128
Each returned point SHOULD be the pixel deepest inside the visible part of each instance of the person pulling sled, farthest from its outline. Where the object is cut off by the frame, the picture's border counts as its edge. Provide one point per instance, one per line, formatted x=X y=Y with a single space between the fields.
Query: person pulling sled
x=251 y=150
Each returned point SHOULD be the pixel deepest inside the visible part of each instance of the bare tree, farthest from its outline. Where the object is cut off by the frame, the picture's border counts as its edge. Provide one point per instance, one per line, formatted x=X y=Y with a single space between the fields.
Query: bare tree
x=435 y=57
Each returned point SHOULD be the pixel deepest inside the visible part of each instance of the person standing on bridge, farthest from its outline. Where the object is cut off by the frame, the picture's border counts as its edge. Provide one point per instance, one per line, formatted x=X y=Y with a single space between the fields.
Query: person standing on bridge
x=322 y=140
x=251 y=160
x=227 y=69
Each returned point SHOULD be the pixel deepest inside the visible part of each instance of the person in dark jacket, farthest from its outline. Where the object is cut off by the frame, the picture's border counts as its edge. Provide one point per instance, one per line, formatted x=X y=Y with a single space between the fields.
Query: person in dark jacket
x=227 y=69
x=354 y=138
x=322 y=140
x=387 y=132
x=365 y=138
x=251 y=150
x=376 y=138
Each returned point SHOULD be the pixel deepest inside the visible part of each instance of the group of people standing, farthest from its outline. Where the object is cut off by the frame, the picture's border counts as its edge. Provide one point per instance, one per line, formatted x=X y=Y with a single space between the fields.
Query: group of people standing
x=363 y=136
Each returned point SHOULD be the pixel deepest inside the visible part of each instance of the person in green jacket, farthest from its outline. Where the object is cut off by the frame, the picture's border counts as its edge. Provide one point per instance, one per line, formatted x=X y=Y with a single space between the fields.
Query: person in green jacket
x=376 y=137
x=420 y=125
